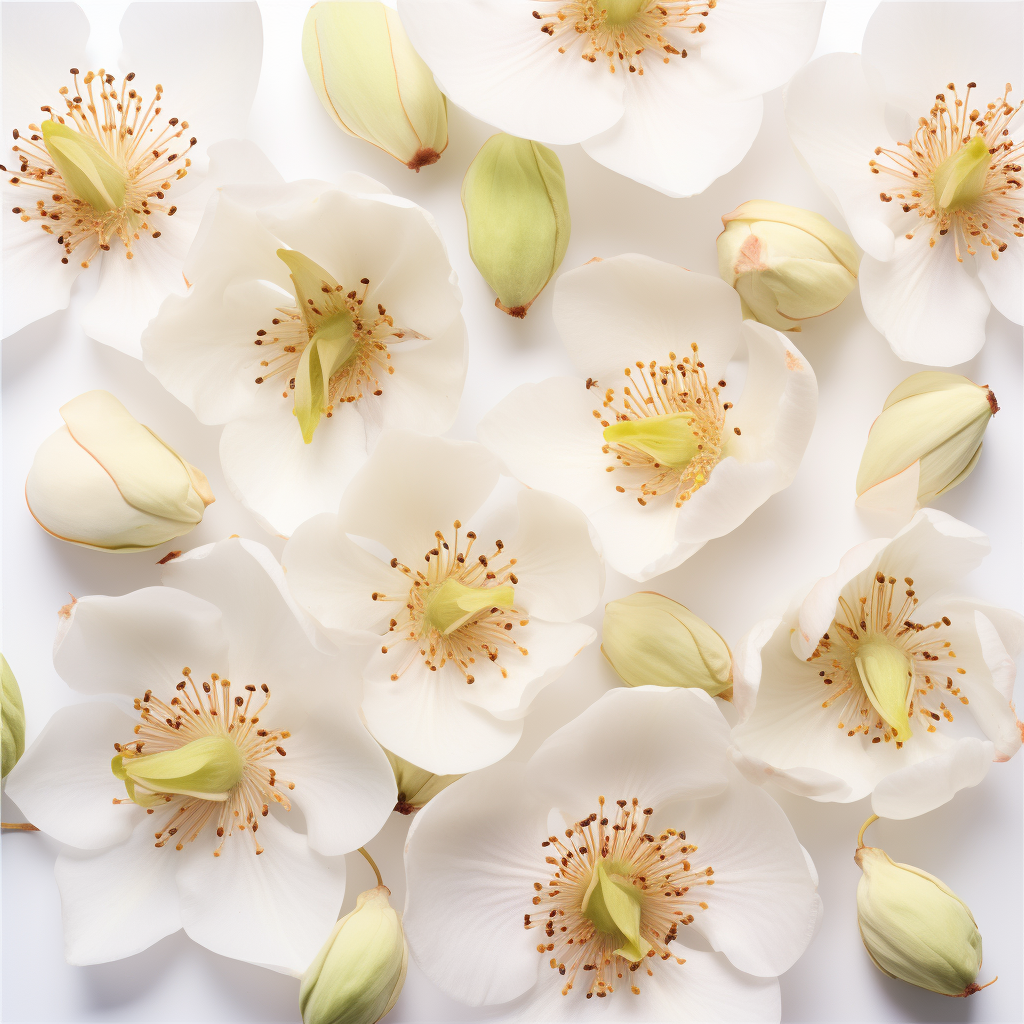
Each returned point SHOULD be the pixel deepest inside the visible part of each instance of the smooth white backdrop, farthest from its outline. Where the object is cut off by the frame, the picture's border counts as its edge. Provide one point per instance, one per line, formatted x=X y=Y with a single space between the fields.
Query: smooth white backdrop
x=974 y=843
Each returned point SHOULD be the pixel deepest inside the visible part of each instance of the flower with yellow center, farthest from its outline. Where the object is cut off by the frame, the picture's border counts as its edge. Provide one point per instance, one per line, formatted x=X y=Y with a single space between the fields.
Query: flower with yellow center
x=922 y=151
x=861 y=681
x=183 y=813
x=581 y=874
x=107 y=170
x=667 y=92
x=652 y=446
x=318 y=316
x=465 y=627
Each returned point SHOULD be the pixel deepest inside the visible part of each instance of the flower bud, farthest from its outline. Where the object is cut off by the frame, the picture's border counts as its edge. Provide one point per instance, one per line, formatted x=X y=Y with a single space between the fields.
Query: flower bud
x=914 y=928
x=372 y=82
x=86 y=167
x=358 y=975
x=416 y=786
x=926 y=441
x=787 y=264
x=12 y=719
x=207 y=768
x=650 y=639
x=106 y=481
x=517 y=213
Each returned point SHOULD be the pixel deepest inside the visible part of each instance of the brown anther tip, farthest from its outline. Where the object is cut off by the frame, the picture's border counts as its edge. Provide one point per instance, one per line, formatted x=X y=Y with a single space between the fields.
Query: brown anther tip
x=423 y=158
x=168 y=557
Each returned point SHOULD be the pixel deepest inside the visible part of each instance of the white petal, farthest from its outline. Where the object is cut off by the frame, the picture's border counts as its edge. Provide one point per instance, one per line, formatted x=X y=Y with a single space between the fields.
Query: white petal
x=746 y=666
x=1002 y=278
x=560 y=575
x=139 y=641
x=471 y=860
x=279 y=477
x=617 y=311
x=344 y=784
x=707 y=989
x=422 y=716
x=923 y=786
x=412 y=486
x=836 y=121
x=274 y=909
x=674 y=137
x=652 y=742
x=492 y=59
x=207 y=58
x=118 y=902
x=930 y=308
x=895 y=496
x=548 y=438
x=986 y=49
x=810 y=782
x=63 y=783
x=763 y=906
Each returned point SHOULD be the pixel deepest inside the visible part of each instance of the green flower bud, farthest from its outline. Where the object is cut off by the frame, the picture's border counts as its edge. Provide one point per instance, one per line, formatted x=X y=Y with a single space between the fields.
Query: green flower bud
x=373 y=83
x=926 y=441
x=886 y=674
x=451 y=604
x=612 y=904
x=87 y=168
x=668 y=438
x=914 y=927
x=652 y=640
x=207 y=768
x=787 y=264
x=12 y=719
x=416 y=786
x=517 y=213
x=106 y=481
x=358 y=975
x=959 y=181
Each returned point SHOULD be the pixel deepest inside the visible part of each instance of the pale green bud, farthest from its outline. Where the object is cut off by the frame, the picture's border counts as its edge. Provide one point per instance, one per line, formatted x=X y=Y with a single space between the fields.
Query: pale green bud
x=914 y=927
x=787 y=264
x=451 y=604
x=373 y=83
x=668 y=438
x=652 y=640
x=931 y=429
x=886 y=674
x=612 y=904
x=106 y=481
x=517 y=213
x=416 y=786
x=959 y=181
x=12 y=719
x=87 y=168
x=358 y=975
x=207 y=768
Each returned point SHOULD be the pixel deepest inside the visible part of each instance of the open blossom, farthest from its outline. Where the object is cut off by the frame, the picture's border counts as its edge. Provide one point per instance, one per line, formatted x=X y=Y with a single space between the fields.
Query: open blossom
x=470 y=613
x=867 y=684
x=238 y=718
x=584 y=871
x=652 y=446
x=667 y=93
x=317 y=316
x=920 y=147
x=109 y=171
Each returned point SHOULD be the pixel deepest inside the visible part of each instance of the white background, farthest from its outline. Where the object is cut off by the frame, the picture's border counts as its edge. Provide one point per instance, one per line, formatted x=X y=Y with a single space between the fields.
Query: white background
x=973 y=843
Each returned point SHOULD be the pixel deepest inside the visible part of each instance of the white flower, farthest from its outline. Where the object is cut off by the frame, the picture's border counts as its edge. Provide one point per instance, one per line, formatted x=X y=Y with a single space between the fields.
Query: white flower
x=316 y=316
x=859 y=684
x=581 y=873
x=226 y=666
x=914 y=142
x=654 y=341
x=473 y=626
x=667 y=93
x=119 y=190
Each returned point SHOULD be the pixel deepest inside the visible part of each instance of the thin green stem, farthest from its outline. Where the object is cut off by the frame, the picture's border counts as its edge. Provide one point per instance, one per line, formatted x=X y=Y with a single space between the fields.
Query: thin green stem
x=373 y=864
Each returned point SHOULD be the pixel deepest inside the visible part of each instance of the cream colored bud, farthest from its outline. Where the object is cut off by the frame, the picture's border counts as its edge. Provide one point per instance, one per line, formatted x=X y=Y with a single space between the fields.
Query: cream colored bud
x=926 y=441
x=416 y=786
x=106 y=481
x=914 y=927
x=372 y=82
x=358 y=975
x=517 y=213
x=12 y=719
x=651 y=639
x=787 y=264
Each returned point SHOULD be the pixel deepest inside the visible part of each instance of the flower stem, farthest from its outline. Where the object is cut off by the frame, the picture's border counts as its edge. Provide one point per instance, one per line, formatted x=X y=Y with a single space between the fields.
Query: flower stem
x=863 y=829
x=373 y=864
x=18 y=826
